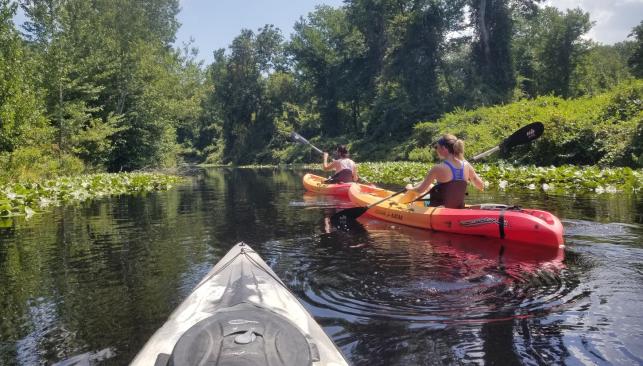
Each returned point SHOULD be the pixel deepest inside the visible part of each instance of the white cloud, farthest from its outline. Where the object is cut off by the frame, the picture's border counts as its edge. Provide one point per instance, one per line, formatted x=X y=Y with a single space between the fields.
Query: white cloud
x=614 y=20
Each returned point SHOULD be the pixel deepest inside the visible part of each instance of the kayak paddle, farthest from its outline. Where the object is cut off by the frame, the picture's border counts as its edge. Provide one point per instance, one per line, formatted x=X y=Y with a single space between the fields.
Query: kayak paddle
x=299 y=138
x=524 y=135
x=355 y=212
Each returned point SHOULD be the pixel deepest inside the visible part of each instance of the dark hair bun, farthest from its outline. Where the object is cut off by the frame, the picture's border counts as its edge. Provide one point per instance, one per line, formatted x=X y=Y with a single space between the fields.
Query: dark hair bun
x=342 y=151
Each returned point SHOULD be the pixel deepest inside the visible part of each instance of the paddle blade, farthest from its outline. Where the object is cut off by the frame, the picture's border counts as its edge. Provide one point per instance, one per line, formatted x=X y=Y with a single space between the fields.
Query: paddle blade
x=350 y=214
x=298 y=138
x=524 y=135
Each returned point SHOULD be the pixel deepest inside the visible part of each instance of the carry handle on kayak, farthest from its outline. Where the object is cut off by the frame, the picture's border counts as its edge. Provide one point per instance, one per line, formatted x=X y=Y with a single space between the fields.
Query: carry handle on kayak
x=299 y=138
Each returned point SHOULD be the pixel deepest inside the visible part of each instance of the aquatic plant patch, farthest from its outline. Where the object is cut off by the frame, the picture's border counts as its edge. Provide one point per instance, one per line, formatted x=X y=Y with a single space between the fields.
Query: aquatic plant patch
x=562 y=179
x=25 y=199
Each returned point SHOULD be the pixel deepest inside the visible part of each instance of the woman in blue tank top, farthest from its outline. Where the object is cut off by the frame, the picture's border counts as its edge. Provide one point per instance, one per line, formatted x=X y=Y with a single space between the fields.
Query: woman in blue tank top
x=447 y=181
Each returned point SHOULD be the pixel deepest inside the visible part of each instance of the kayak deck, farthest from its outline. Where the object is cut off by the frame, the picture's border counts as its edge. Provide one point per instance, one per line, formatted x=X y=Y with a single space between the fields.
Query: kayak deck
x=240 y=307
x=497 y=221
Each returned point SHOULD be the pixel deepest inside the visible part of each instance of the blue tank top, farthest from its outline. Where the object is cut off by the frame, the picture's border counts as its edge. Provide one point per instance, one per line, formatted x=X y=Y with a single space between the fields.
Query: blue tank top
x=458 y=174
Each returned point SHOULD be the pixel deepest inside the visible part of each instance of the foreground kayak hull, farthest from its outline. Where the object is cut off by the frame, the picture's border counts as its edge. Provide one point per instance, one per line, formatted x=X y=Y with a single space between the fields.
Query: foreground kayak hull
x=240 y=280
x=529 y=226
x=315 y=183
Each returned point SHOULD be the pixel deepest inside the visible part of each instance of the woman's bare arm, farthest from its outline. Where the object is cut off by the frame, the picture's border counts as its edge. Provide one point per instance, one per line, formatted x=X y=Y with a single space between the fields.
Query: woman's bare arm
x=475 y=179
x=325 y=163
x=427 y=183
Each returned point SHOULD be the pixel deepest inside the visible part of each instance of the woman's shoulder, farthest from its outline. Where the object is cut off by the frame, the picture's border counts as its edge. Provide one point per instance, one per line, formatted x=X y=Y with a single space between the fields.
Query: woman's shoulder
x=441 y=166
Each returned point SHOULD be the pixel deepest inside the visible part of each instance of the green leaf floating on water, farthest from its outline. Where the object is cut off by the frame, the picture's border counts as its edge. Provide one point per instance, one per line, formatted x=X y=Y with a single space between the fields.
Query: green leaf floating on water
x=18 y=199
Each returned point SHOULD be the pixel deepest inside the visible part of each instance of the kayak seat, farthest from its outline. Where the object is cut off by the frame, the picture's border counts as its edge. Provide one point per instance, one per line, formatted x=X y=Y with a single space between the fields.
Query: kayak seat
x=243 y=335
x=342 y=176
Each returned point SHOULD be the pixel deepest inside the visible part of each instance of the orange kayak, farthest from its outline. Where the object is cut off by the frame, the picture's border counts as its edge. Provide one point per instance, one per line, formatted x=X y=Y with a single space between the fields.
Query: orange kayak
x=490 y=220
x=315 y=183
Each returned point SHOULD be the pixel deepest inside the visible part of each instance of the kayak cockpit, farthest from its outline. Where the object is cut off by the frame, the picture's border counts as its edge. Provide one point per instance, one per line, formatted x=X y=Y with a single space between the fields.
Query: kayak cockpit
x=244 y=334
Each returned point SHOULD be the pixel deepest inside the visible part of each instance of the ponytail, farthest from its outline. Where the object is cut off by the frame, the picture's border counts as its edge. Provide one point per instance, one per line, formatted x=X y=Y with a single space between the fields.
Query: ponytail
x=458 y=149
x=453 y=144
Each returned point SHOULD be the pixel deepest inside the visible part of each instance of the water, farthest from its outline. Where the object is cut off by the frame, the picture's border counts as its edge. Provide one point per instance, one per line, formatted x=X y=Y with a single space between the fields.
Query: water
x=91 y=283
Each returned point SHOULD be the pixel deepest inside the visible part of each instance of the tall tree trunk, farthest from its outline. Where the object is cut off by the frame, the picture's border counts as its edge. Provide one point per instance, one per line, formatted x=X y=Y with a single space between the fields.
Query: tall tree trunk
x=484 y=32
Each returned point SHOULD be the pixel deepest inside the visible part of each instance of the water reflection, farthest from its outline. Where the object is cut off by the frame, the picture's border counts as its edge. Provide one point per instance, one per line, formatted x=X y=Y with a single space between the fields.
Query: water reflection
x=94 y=281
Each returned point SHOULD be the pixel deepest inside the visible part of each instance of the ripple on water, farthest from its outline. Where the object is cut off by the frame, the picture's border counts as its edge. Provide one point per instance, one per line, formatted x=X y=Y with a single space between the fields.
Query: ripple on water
x=428 y=278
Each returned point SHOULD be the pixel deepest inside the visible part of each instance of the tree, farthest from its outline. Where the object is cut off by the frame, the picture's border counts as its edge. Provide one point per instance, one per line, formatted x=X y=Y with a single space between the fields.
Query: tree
x=636 y=59
x=61 y=35
x=601 y=68
x=328 y=53
x=239 y=110
x=559 y=48
x=22 y=121
x=493 y=71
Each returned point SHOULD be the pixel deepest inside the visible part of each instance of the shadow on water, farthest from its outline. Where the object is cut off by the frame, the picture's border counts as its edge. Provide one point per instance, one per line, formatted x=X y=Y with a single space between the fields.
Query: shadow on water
x=92 y=282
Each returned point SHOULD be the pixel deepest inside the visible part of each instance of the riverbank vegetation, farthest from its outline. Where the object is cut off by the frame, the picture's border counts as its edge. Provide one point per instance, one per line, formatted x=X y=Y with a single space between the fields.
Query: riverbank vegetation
x=100 y=86
x=566 y=179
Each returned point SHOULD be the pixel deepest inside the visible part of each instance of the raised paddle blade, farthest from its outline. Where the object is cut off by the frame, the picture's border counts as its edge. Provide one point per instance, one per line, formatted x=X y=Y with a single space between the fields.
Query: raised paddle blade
x=524 y=135
x=299 y=138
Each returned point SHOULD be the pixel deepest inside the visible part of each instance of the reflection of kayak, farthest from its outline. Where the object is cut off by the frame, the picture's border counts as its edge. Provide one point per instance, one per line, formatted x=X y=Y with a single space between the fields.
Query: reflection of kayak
x=241 y=313
x=315 y=183
x=472 y=249
x=495 y=221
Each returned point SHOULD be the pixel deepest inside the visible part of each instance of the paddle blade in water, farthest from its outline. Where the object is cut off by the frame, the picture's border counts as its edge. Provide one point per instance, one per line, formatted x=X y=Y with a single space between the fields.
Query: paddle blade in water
x=349 y=214
x=524 y=135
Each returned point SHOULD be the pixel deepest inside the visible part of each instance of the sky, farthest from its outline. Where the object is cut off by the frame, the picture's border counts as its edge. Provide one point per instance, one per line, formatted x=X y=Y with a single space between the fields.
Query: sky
x=213 y=24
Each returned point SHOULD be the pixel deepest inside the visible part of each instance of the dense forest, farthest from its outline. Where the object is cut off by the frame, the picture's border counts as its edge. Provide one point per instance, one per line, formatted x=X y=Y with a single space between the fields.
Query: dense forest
x=101 y=85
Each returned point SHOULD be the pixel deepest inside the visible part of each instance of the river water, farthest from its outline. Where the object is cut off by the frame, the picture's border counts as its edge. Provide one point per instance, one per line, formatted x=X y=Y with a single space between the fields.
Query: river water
x=91 y=283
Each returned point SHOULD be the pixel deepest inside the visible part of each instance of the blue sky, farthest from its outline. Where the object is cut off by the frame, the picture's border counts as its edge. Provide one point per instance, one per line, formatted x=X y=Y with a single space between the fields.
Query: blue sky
x=215 y=23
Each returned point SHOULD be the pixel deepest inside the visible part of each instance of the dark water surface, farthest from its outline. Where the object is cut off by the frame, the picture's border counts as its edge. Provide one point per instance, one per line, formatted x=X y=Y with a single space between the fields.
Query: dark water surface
x=93 y=282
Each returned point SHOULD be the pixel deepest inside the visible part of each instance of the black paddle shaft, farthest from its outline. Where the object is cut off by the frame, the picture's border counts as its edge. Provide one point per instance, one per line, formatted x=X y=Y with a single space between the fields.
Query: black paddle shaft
x=355 y=212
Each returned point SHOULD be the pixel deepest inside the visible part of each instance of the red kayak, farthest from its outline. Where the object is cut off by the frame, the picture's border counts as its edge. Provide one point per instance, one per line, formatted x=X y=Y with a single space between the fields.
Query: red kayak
x=315 y=183
x=490 y=220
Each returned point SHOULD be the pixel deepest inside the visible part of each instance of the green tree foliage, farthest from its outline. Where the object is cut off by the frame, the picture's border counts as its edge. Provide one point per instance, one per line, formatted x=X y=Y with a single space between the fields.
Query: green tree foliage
x=604 y=129
x=493 y=74
x=26 y=151
x=61 y=37
x=601 y=68
x=329 y=53
x=406 y=45
x=636 y=59
x=22 y=122
x=558 y=48
x=115 y=89
x=239 y=109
